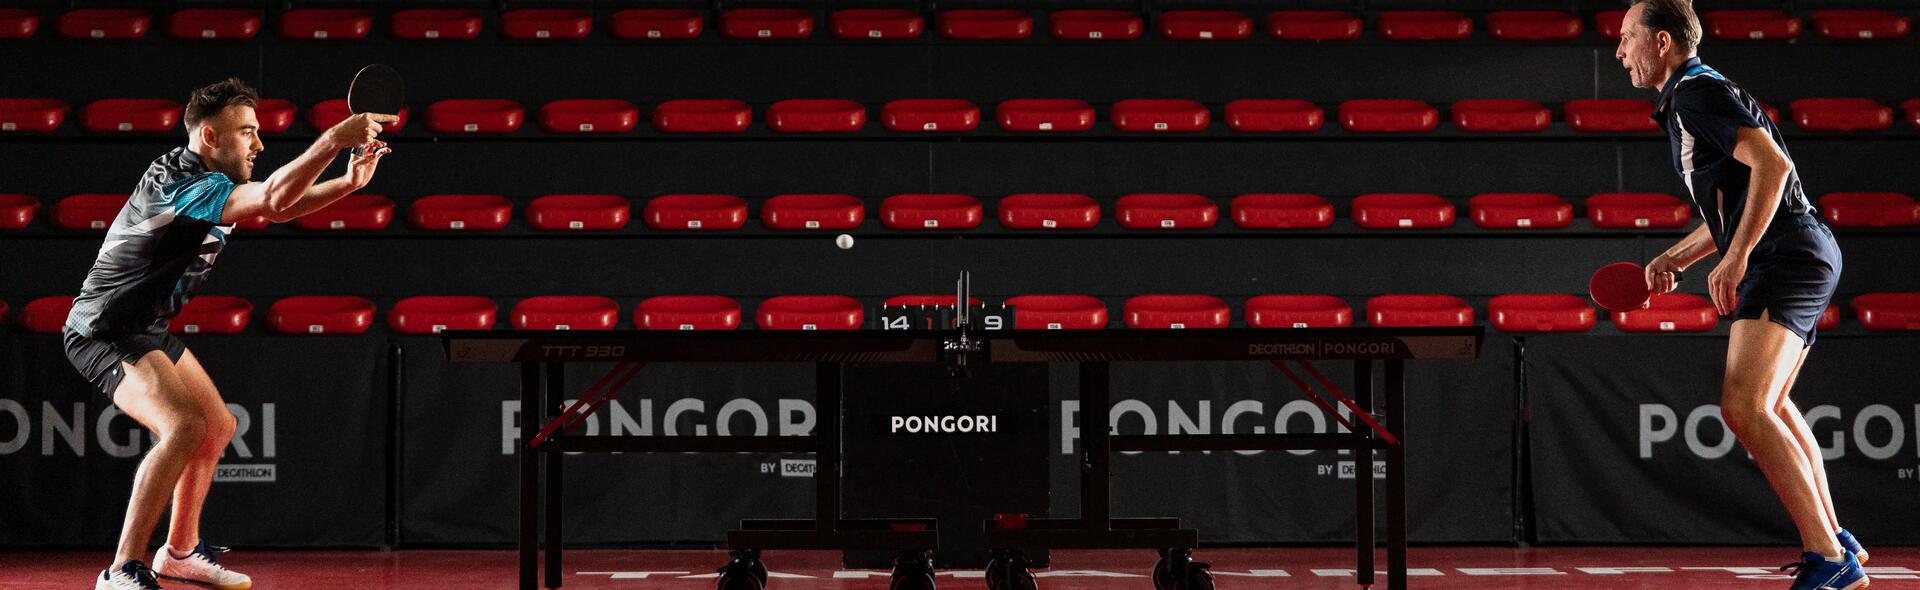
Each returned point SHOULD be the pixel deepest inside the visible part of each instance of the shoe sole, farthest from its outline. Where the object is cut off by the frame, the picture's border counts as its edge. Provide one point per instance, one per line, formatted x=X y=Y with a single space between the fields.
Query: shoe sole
x=1858 y=585
x=248 y=585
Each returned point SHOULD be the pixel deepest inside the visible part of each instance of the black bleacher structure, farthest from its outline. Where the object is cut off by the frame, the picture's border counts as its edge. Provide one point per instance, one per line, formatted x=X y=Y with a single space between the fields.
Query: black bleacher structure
x=755 y=263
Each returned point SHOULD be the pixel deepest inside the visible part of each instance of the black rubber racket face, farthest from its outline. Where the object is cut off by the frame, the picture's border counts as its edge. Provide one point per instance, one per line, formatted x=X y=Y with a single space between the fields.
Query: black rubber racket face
x=1621 y=286
x=376 y=89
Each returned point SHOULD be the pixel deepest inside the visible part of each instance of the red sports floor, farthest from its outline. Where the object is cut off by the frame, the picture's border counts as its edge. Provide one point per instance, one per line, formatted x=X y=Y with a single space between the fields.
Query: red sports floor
x=1449 y=568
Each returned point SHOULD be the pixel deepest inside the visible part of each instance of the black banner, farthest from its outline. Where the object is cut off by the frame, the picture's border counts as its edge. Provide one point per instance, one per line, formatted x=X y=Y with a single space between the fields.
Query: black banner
x=1629 y=446
x=306 y=466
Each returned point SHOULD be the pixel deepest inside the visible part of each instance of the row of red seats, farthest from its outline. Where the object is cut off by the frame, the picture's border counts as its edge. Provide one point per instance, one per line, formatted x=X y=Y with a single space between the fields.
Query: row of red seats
x=897 y=23
x=956 y=115
x=710 y=212
x=1678 y=312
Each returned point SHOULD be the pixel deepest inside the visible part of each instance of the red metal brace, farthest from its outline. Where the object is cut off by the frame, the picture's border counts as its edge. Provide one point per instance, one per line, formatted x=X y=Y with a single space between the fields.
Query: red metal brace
x=1363 y=415
x=1312 y=395
x=596 y=396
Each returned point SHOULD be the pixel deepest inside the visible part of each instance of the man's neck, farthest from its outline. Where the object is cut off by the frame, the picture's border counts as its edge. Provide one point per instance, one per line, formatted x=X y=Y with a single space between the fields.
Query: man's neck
x=1672 y=69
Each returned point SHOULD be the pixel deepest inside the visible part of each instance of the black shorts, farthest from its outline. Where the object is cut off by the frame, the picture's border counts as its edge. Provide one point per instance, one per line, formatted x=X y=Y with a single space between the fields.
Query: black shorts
x=99 y=359
x=1791 y=275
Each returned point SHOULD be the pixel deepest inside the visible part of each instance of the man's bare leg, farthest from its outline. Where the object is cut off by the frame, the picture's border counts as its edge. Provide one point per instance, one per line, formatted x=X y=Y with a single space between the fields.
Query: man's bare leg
x=153 y=394
x=1761 y=360
x=190 y=495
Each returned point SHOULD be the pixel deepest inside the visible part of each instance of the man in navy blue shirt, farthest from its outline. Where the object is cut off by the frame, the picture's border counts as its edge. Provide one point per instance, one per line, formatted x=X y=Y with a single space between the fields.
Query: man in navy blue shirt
x=1779 y=265
x=154 y=258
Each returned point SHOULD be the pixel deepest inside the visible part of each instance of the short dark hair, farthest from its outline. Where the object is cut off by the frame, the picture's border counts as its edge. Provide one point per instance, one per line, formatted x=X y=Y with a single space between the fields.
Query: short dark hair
x=209 y=100
x=1676 y=18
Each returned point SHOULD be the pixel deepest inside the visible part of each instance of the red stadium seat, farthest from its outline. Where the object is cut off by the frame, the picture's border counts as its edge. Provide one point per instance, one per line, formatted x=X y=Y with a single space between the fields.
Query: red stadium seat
x=1400 y=311
x=1500 y=115
x=145 y=115
x=1755 y=24
x=687 y=312
x=1388 y=116
x=1110 y=25
x=460 y=212
x=565 y=312
x=1313 y=25
x=1520 y=211
x=1829 y=319
x=1541 y=313
x=326 y=23
x=354 y=212
x=46 y=315
x=1281 y=211
x=810 y=312
x=930 y=114
x=1609 y=23
x=1142 y=114
x=579 y=212
x=1888 y=311
x=433 y=314
x=90 y=211
x=703 y=212
x=1058 y=312
x=214 y=23
x=1298 y=311
x=1256 y=115
x=1610 y=115
x=320 y=314
x=918 y=211
x=1913 y=111
x=1424 y=25
x=1533 y=25
x=1870 y=210
x=18 y=23
x=255 y=223
x=3 y=313
x=657 y=23
x=16 y=211
x=986 y=25
x=702 y=116
x=436 y=23
x=1175 y=312
x=1841 y=114
x=275 y=114
x=1166 y=211
x=1402 y=211
x=1045 y=114
x=212 y=314
x=546 y=23
x=479 y=115
x=877 y=23
x=105 y=23
x=813 y=212
x=766 y=23
x=1048 y=211
x=327 y=113
x=1637 y=211
x=1861 y=24
x=1669 y=312
x=816 y=116
x=586 y=115
x=31 y=114
x=1205 y=25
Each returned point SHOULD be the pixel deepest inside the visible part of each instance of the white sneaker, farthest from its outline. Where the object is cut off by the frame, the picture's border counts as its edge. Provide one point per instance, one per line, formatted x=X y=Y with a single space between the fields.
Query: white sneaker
x=201 y=567
x=131 y=575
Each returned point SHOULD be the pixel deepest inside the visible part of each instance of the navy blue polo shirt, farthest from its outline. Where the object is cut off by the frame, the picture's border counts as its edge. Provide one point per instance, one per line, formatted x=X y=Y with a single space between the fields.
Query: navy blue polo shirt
x=1703 y=112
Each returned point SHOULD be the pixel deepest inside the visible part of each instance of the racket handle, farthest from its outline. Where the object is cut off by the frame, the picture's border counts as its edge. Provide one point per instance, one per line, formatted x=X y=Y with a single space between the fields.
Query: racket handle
x=361 y=151
x=1676 y=274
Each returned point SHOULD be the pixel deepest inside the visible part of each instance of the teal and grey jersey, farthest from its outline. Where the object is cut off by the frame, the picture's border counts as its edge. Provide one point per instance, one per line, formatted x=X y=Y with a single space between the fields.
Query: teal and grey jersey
x=158 y=251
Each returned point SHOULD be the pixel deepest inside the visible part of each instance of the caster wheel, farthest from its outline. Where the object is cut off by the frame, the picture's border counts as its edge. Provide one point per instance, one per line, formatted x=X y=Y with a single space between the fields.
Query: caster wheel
x=744 y=572
x=1010 y=572
x=1172 y=566
x=1198 y=578
x=913 y=570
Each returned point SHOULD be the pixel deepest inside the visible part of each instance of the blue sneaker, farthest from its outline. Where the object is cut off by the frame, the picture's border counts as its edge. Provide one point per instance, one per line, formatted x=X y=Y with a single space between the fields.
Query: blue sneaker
x=1852 y=545
x=1814 y=572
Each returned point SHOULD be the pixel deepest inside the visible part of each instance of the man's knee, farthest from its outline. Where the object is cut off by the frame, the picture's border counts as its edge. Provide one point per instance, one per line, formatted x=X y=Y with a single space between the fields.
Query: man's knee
x=220 y=427
x=1742 y=408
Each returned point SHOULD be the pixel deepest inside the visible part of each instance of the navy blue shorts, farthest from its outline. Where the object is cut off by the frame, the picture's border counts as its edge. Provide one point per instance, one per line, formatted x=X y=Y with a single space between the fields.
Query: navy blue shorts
x=1791 y=275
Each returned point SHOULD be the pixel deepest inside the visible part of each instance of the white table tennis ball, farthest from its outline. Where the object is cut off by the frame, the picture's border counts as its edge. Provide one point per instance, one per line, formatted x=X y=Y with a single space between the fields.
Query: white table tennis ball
x=844 y=241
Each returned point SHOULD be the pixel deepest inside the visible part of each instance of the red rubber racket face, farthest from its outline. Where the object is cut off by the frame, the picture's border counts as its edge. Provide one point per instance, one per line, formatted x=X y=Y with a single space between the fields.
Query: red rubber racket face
x=1621 y=286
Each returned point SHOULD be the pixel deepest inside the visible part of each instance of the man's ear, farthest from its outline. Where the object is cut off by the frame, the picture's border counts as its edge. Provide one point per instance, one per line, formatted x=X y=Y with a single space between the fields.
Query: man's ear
x=207 y=136
x=1663 y=43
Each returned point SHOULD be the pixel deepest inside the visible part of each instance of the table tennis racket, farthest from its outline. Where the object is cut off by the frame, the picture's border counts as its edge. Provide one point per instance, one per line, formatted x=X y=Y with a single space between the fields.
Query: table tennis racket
x=1622 y=286
x=376 y=89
